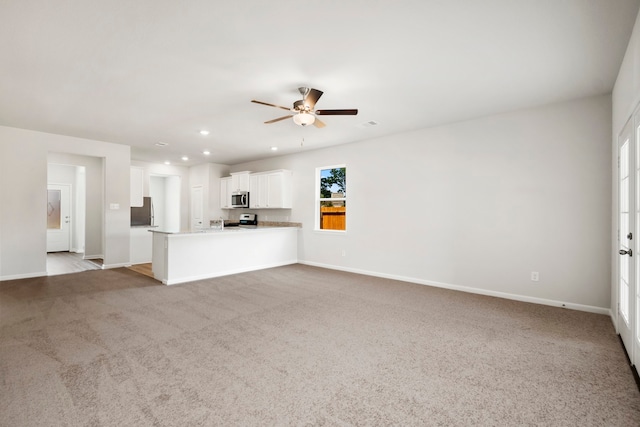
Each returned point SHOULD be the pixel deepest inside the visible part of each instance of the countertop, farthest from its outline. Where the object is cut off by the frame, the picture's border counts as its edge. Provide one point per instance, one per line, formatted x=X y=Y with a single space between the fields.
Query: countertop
x=226 y=230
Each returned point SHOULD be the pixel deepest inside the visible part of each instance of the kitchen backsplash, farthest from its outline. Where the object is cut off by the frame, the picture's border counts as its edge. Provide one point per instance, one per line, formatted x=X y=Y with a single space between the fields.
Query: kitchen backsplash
x=234 y=215
x=279 y=224
x=263 y=220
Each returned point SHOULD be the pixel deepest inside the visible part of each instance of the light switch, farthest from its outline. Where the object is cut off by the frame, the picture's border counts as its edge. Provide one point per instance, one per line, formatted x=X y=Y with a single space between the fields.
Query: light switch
x=114 y=206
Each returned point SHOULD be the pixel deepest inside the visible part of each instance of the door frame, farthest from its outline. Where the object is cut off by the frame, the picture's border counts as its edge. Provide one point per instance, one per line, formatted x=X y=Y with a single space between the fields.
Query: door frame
x=629 y=334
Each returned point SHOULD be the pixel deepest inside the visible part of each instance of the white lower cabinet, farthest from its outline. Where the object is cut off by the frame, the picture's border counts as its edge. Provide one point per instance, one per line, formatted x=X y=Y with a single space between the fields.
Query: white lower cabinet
x=140 y=245
x=270 y=190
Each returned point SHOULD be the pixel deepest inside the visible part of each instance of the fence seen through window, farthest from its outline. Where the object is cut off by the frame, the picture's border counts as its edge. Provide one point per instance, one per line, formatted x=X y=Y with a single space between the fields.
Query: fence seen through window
x=333 y=198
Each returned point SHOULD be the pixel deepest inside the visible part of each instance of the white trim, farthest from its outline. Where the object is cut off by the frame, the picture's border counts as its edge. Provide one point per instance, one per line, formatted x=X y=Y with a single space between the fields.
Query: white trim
x=317 y=199
x=122 y=264
x=614 y=319
x=515 y=297
x=22 y=276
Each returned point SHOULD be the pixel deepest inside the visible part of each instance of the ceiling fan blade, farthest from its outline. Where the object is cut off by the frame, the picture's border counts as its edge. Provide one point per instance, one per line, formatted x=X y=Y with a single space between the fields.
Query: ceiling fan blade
x=278 y=119
x=312 y=97
x=349 y=112
x=319 y=123
x=271 y=105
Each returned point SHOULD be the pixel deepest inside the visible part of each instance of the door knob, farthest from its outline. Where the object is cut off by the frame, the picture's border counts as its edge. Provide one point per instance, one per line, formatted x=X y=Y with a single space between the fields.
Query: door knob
x=623 y=252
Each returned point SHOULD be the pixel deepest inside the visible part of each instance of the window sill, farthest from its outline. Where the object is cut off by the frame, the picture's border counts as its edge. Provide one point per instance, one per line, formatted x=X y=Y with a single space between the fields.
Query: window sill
x=329 y=232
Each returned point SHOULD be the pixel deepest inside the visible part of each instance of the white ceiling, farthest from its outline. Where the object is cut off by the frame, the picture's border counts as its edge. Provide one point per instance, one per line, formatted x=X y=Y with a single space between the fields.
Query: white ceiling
x=143 y=71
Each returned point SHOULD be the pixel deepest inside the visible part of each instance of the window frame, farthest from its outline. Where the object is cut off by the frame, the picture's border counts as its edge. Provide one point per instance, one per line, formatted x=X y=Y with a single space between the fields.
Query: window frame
x=318 y=199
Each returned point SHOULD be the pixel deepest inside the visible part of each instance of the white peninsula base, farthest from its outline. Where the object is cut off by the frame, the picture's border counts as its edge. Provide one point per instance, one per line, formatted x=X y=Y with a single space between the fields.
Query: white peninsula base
x=188 y=256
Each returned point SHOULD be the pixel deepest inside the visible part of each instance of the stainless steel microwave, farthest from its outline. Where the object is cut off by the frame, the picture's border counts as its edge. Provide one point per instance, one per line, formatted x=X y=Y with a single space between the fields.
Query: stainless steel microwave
x=240 y=199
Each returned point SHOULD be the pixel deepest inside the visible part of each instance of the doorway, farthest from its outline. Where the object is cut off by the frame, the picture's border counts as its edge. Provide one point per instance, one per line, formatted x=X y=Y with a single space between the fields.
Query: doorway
x=628 y=245
x=66 y=219
x=58 y=217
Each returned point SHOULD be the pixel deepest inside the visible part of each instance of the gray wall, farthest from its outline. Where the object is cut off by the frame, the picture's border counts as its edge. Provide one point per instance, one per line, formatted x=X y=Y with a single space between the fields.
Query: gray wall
x=476 y=205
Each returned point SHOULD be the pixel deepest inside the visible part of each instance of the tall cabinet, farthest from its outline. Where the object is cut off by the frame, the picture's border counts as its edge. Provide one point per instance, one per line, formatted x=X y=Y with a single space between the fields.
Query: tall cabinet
x=225 y=192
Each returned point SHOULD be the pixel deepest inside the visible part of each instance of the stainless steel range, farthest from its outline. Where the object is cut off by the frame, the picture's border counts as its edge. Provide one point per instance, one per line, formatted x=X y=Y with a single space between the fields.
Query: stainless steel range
x=248 y=219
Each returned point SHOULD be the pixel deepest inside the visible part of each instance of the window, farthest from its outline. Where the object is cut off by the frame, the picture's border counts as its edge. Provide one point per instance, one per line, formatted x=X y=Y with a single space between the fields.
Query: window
x=331 y=198
x=53 y=209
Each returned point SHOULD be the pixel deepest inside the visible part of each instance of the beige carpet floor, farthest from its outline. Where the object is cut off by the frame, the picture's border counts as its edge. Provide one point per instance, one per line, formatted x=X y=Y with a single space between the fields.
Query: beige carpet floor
x=299 y=345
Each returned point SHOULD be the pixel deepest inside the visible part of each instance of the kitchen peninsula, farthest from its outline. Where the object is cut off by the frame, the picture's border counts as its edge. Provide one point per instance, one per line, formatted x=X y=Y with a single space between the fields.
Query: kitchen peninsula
x=180 y=257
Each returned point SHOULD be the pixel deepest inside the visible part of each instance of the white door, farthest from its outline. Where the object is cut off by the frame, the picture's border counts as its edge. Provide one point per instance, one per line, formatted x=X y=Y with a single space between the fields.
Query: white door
x=634 y=294
x=197 y=203
x=58 y=217
x=627 y=264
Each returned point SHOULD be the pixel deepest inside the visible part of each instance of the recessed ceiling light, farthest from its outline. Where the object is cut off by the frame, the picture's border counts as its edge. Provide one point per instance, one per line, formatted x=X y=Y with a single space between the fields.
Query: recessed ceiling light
x=167 y=162
x=274 y=148
x=204 y=132
x=162 y=144
x=185 y=158
x=206 y=152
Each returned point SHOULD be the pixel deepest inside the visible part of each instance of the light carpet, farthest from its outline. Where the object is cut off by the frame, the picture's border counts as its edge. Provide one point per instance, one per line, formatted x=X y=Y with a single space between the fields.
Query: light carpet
x=299 y=345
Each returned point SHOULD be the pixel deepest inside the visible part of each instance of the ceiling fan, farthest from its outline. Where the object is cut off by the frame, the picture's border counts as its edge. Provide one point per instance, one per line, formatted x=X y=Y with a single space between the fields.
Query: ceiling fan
x=303 y=109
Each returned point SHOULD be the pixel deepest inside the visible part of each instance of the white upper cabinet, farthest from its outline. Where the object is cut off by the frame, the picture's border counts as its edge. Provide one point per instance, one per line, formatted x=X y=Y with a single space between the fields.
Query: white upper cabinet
x=137 y=186
x=225 y=193
x=270 y=190
x=240 y=181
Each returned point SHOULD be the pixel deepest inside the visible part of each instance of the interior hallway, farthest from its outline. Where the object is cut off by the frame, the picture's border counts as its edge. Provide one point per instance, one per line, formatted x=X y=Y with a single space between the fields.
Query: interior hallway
x=69 y=262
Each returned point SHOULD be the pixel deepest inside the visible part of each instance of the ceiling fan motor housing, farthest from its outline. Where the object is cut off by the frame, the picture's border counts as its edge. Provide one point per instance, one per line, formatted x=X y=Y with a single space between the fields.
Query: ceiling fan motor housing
x=299 y=105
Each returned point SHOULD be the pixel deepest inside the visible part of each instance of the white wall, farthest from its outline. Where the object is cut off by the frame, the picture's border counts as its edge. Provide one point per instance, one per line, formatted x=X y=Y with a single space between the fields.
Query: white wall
x=626 y=91
x=173 y=195
x=478 y=204
x=80 y=209
x=23 y=183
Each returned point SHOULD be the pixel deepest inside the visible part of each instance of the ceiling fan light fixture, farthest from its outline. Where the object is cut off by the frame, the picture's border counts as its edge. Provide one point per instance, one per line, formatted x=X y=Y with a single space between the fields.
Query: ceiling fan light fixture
x=304 y=119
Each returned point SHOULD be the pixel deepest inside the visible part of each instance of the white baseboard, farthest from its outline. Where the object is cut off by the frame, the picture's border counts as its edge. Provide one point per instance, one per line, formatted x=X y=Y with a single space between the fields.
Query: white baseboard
x=93 y=256
x=614 y=319
x=22 y=276
x=119 y=265
x=515 y=297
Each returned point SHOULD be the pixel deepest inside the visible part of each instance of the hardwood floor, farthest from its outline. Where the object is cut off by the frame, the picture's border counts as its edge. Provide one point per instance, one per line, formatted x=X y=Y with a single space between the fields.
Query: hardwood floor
x=142 y=269
x=68 y=262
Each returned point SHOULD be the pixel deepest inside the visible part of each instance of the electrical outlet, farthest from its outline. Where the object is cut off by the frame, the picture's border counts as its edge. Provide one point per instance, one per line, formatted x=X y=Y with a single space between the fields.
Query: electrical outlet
x=344 y=252
x=535 y=276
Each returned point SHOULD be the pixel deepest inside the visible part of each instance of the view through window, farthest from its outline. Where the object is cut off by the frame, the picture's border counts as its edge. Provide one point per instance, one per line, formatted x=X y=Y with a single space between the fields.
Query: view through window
x=332 y=198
